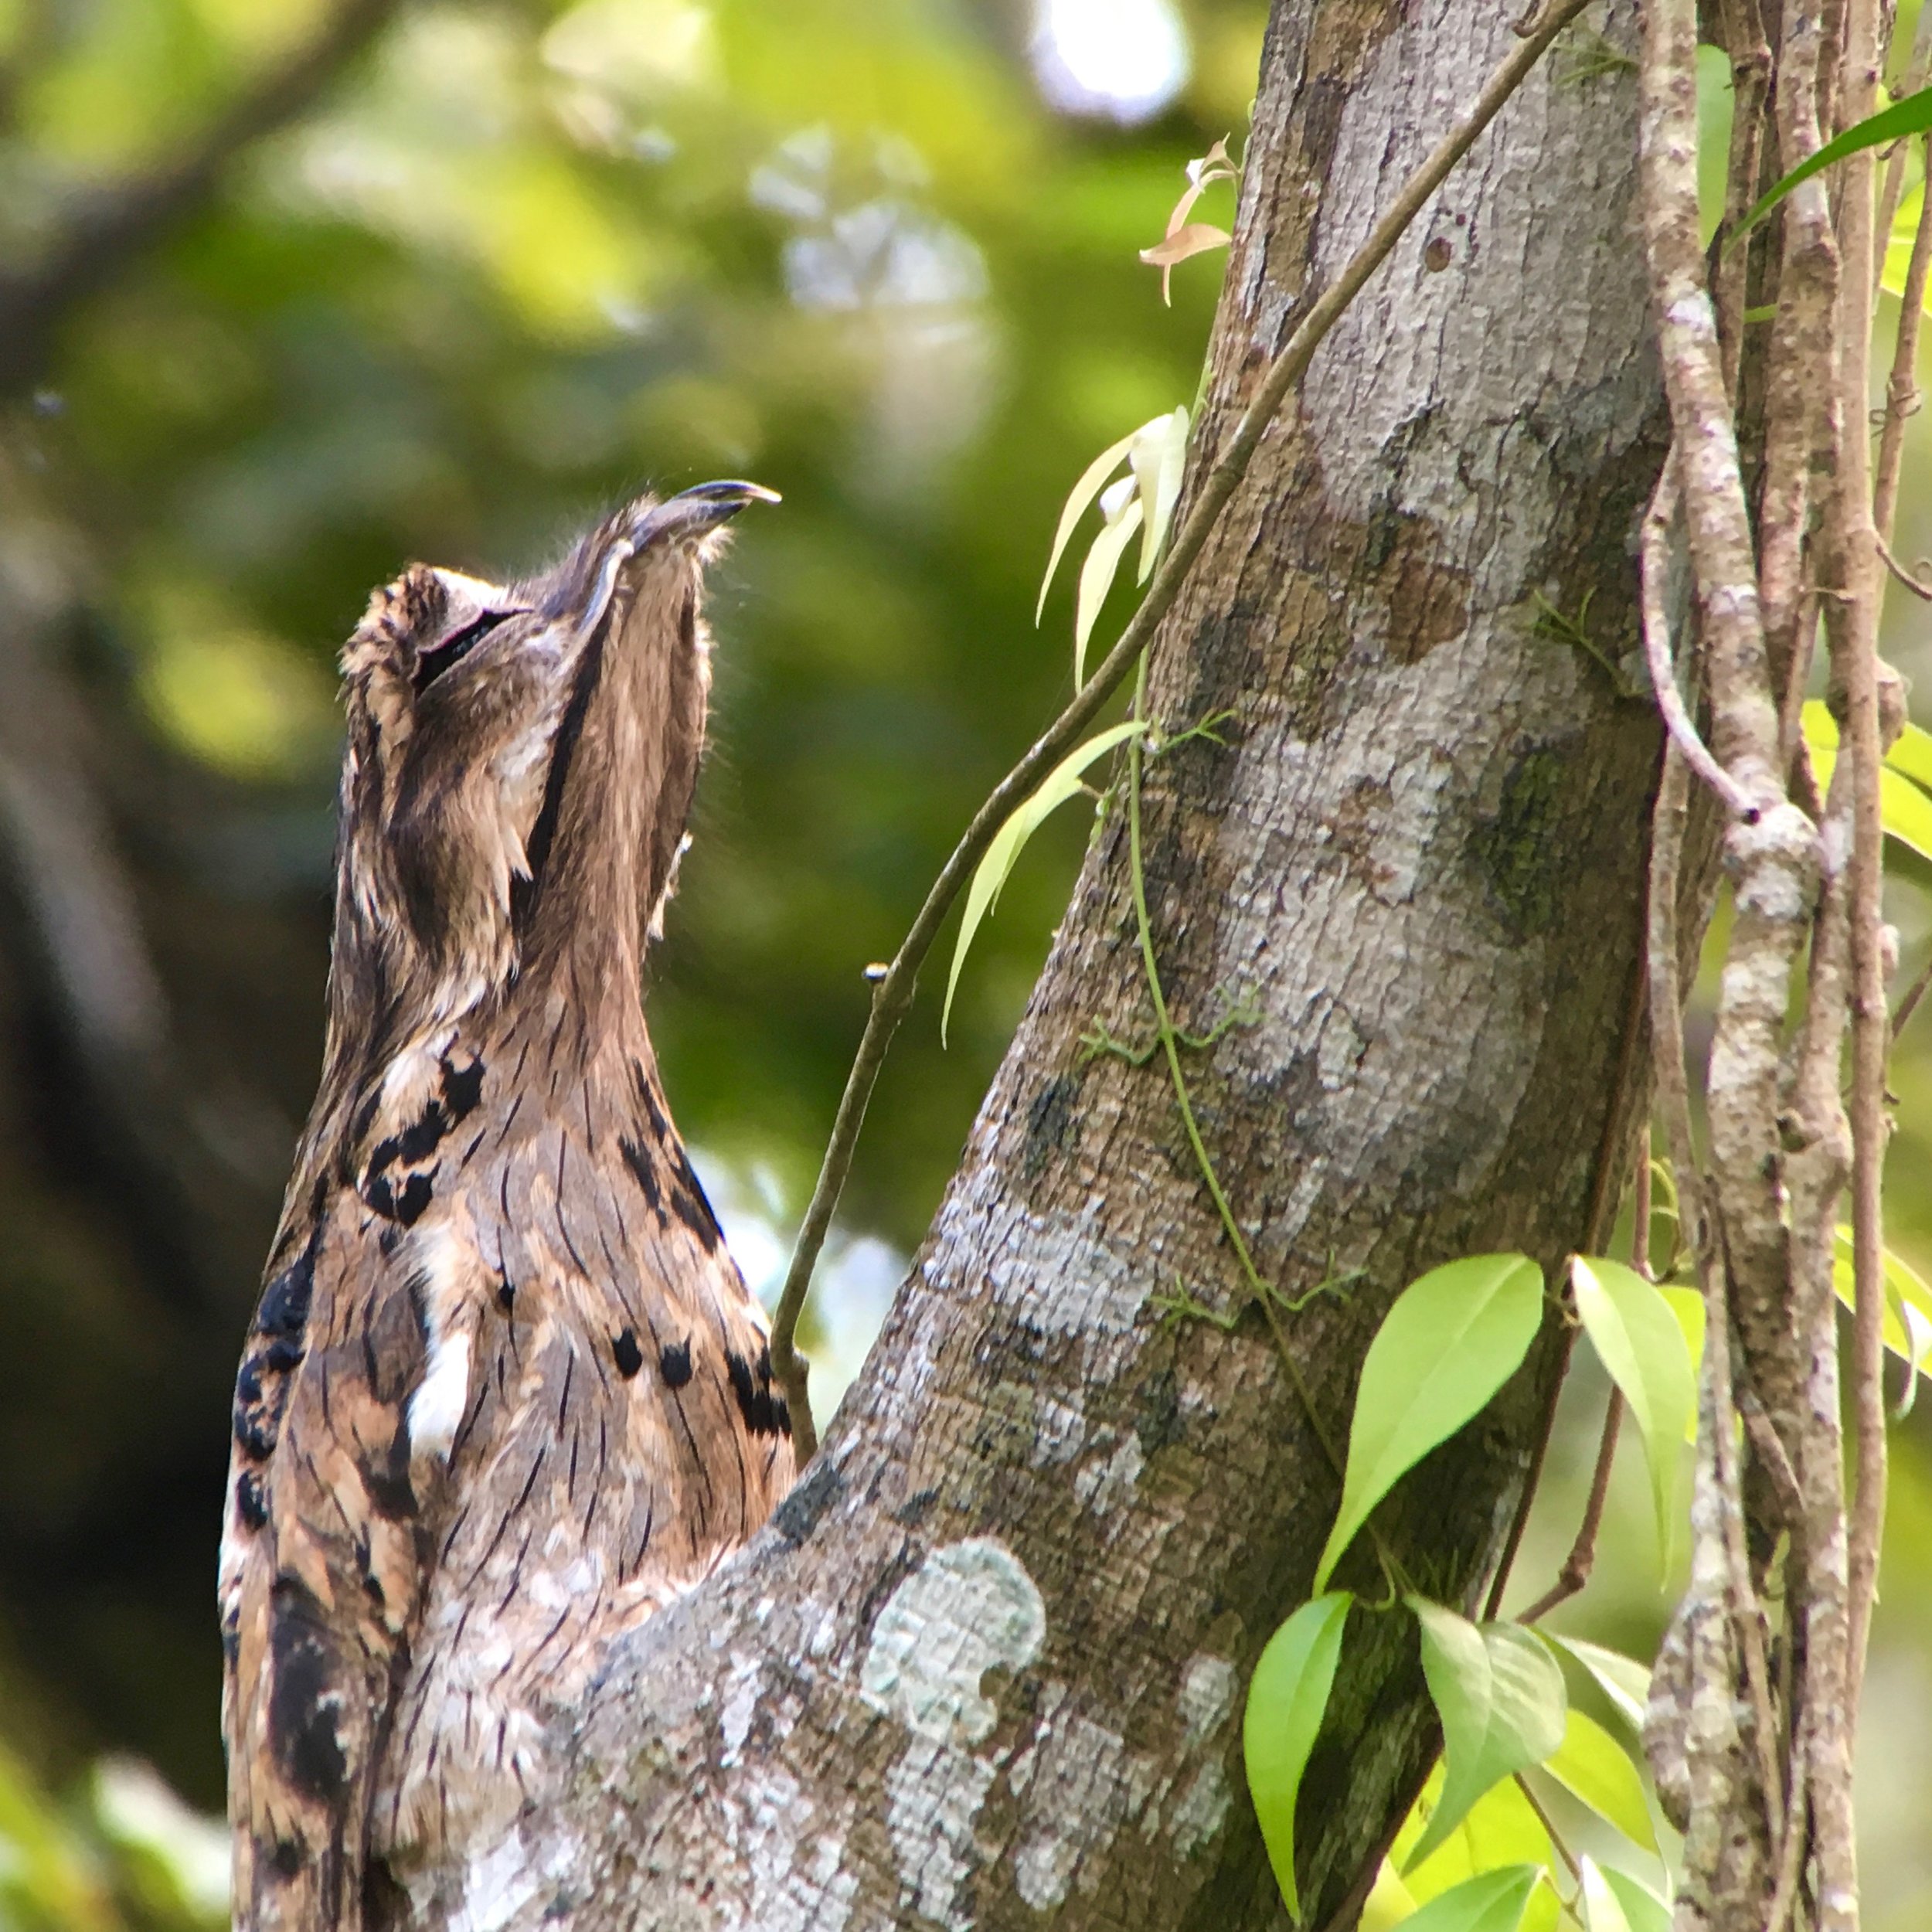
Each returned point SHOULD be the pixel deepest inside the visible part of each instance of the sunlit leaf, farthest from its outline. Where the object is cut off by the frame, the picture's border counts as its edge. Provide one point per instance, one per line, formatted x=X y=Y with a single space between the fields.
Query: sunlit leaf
x=1638 y=1339
x=1501 y=1828
x=990 y=875
x=1500 y=1695
x=1159 y=456
x=1591 y=1765
x=1390 y=1903
x=1603 y=1911
x=1912 y=755
x=1093 y=481
x=1911 y=116
x=1644 y=1911
x=1908 y=1306
x=1904 y=811
x=1492 y=1901
x=1184 y=238
x=1191 y=238
x=1451 y=1340
x=1625 y=1681
x=1687 y=1305
x=1096 y=578
x=1286 y=1702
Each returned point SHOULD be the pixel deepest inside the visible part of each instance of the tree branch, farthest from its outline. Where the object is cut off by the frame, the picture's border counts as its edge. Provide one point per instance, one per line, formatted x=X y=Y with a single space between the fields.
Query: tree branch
x=893 y=995
x=108 y=228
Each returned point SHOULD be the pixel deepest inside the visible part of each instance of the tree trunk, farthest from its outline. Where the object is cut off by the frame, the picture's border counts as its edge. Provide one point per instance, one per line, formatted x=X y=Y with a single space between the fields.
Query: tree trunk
x=988 y=1661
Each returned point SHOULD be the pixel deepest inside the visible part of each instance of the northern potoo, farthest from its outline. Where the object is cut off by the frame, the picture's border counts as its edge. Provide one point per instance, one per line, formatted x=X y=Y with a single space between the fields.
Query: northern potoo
x=505 y=1393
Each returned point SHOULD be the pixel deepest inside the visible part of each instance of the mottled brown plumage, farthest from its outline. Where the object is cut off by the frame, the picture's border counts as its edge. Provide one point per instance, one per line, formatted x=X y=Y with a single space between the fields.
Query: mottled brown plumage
x=504 y=1394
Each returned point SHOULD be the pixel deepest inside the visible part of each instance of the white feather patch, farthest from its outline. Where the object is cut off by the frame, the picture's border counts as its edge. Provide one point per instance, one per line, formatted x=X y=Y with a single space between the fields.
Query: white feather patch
x=436 y=1409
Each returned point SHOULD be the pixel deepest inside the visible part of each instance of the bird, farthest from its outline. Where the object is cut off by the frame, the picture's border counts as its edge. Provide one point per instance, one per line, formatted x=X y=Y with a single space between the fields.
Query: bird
x=504 y=1394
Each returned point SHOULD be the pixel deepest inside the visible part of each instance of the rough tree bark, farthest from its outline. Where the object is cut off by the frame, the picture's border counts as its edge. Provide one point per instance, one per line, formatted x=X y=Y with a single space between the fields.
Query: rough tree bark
x=988 y=1662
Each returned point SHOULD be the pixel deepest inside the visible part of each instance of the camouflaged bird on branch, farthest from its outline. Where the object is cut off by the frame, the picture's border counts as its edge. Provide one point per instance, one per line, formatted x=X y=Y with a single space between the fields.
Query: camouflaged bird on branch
x=506 y=1394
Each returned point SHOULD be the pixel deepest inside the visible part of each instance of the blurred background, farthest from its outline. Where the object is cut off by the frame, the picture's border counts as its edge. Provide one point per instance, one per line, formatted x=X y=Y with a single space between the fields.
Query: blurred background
x=292 y=291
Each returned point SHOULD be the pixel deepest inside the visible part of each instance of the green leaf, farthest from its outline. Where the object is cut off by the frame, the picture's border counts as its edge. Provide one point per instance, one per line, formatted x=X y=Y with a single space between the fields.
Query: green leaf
x=1389 y=1904
x=1501 y=1828
x=1911 y=116
x=1452 y=1339
x=1904 y=811
x=1687 y=1305
x=1286 y=1701
x=1493 y=1902
x=1644 y=1911
x=1637 y=1337
x=1908 y=1308
x=1591 y=1765
x=1158 y=456
x=990 y=875
x=1500 y=1695
x=1625 y=1681
x=1093 y=481
x=1096 y=578
x=1912 y=755
x=1603 y=1911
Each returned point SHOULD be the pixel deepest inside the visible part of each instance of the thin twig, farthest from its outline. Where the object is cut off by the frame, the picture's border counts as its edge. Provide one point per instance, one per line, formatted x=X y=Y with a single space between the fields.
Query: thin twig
x=1549 y=1825
x=1576 y=1566
x=1851 y=627
x=1914 y=994
x=110 y=226
x=1902 y=388
x=892 y=996
x=1655 y=554
x=1916 y=585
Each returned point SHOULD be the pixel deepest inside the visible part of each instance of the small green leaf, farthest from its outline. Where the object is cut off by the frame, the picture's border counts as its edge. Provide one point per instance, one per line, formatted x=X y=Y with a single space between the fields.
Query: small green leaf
x=1492 y=1901
x=1622 y=1679
x=1158 y=456
x=1908 y=1308
x=1093 y=481
x=1637 y=1337
x=1644 y=1911
x=1096 y=578
x=1285 y=1702
x=1911 y=116
x=1603 y=1911
x=1591 y=1765
x=1500 y=1695
x=1502 y=1829
x=982 y=894
x=1451 y=1340
x=1904 y=811
x=1389 y=1904
x=1912 y=755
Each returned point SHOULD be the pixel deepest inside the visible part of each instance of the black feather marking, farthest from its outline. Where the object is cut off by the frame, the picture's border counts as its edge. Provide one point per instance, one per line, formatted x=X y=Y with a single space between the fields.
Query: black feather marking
x=250 y=1504
x=688 y=1199
x=674 y=1364
x=258 y=1409
x=764 y=1415
x=525 y=892
x=628 y=1355
x=306 y=1691
x=284 y=1305
x=462 y=1088
x=447 y=653
x=387 y=1485
x=638 y=1160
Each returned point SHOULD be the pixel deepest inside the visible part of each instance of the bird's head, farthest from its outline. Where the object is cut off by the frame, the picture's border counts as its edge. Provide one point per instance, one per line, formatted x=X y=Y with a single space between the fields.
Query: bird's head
x=519 y=770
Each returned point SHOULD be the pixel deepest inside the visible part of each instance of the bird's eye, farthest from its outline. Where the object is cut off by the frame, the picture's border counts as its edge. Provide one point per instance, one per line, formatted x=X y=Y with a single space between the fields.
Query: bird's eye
x=447 y=652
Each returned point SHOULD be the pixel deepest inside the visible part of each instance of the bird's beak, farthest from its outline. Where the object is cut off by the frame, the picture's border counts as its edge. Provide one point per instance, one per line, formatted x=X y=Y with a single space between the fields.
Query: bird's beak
x=695 y=513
